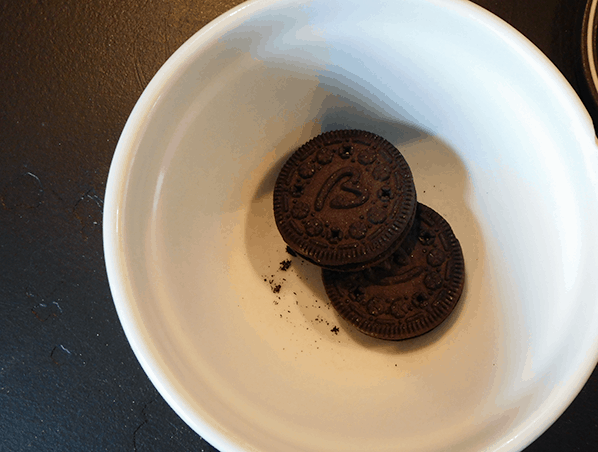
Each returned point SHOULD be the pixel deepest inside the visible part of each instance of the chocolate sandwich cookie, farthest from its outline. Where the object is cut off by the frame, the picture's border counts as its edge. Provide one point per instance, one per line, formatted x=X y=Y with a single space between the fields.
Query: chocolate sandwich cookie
x=409 y=294
x=345 y=200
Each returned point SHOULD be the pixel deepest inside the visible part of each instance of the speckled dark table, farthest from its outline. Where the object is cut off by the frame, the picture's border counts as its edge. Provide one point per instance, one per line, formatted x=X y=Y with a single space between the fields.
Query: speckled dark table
x=70 y=73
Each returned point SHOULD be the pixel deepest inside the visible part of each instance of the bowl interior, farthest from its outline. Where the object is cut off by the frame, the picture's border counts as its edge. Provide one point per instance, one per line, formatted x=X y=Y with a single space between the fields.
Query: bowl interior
x=246 y=351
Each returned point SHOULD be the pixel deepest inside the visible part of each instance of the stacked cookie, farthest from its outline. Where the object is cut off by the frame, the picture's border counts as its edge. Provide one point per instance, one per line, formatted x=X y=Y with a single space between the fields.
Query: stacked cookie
x=346 y=201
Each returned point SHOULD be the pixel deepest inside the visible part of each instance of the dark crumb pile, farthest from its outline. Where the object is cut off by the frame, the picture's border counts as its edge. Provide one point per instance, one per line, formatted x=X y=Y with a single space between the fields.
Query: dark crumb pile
x=291 y=252
x=284 y=265
x=335 y=329
x=276 y=288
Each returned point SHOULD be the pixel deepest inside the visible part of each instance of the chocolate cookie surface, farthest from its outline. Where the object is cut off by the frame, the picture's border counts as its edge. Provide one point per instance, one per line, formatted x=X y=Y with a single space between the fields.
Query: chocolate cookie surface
x=409 y=294
x=345 y=200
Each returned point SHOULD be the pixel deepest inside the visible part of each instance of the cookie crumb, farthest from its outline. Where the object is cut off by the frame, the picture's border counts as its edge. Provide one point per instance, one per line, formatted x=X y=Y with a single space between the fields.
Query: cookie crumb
x=284 y=265
x=335 y=329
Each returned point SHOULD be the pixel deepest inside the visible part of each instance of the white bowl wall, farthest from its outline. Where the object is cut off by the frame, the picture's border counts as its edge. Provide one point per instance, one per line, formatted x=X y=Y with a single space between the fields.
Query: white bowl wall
x=498 y=143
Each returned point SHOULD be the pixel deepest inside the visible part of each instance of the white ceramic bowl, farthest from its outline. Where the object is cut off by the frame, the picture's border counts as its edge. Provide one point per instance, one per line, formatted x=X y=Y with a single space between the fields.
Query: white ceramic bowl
x=498 y=143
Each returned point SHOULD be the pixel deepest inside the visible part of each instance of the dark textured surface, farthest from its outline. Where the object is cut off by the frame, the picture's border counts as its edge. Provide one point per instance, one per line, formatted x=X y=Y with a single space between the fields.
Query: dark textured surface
x=71 y=72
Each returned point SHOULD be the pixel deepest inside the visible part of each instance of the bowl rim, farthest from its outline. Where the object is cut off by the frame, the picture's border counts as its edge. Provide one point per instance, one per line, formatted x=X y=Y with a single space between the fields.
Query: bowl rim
x=588 y=48
x=123 y=159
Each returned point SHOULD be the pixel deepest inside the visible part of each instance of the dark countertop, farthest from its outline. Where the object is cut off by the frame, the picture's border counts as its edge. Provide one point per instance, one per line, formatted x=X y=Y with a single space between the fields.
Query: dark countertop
x=71 y=74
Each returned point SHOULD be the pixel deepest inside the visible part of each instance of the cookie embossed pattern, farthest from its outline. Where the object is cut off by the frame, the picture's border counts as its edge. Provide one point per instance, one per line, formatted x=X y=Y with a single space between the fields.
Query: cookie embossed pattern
x=345 y=200
x=409 y=294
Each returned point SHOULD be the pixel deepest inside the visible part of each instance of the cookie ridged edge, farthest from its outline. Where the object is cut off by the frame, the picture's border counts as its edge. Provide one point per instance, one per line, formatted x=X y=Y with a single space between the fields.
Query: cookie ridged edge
x=393 y=332
x=358 y=257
